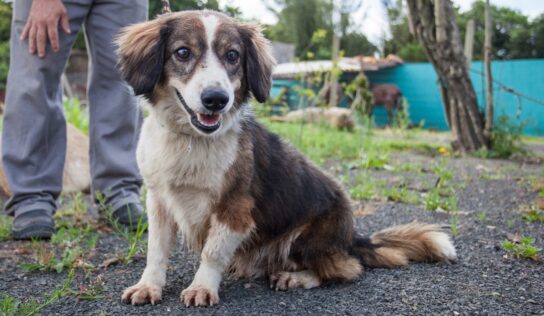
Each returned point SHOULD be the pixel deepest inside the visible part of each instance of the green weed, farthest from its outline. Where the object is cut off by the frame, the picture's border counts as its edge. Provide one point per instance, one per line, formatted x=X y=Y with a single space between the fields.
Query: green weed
x=74 y=214
x=533 y=215
x=374 y=160
x=506 y=140
x=46 y=261
x=320 y=142
x=5 y=227
x=132 y=237
x=75 y=115
x=524 y=249
x=402 y=117
x=401 y=195
x=74 y=242
x=482 y=216
x=409 y=167
x=13 y=307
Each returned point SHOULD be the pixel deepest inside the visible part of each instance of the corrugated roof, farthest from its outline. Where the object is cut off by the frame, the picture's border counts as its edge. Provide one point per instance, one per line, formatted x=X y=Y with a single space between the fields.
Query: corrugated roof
x=351 y=64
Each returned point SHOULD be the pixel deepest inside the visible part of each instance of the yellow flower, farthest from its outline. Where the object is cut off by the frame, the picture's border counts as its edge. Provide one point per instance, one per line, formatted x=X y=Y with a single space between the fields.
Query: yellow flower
x=443 y=151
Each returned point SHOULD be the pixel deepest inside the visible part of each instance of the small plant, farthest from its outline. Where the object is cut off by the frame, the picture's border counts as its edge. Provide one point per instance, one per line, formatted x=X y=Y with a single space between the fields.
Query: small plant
x=75 y=214
x=373 y=160
x=5 y=224
x=133 y=238
x=402 y=117
x=442 y=195
x=47 y=261
x=8 y=305
x=432 y=200
x=74 y=242
x=481 y=216
x=505 y=139
x=361 y=99
x=75 y=115
x=277 y=105
x=13 y=307
x=533 y=215
x=92 y=291
x=402 y=195
x=523 y=249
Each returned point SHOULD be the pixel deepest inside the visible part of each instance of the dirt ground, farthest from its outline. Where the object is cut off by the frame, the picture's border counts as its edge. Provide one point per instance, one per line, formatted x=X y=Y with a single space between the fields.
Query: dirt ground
x=493 y=198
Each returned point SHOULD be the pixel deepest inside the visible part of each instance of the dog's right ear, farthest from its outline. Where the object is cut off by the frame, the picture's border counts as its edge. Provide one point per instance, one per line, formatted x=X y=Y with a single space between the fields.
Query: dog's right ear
x=141 y=54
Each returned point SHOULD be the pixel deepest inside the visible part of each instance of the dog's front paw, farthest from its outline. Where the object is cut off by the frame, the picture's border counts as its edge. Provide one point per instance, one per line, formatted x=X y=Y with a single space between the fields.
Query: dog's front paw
x=142 y=294
x=198 y=295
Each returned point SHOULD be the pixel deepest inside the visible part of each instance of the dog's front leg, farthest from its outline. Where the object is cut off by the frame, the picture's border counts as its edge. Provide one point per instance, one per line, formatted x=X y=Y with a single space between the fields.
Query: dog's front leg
x=161 y=229
x=221 y=244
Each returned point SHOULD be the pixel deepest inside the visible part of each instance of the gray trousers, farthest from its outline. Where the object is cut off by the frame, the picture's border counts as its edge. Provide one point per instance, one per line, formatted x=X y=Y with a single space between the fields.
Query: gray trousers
x=34 y=129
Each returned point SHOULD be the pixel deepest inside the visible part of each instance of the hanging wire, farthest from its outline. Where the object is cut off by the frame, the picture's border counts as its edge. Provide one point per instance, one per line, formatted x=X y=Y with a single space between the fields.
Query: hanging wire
x=511 y=90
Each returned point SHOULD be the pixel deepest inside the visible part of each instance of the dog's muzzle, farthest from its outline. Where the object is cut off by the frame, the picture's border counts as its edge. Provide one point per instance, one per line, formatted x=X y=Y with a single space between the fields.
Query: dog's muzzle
x=205 y=122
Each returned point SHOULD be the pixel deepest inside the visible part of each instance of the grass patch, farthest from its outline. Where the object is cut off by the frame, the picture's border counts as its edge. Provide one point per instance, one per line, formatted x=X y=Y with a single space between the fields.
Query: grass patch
x=506 y=140
x=321 y=142
x=401 y=195
x=74 y=214
x=132 y=237
x=5 y=227
x=318 y=142
x=10 y=306
x=533 y=215
x=525 y=248
x=482 y=216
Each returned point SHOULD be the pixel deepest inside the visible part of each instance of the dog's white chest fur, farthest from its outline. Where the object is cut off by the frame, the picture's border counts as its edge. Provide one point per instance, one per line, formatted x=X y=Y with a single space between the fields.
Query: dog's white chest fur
x=186 y=174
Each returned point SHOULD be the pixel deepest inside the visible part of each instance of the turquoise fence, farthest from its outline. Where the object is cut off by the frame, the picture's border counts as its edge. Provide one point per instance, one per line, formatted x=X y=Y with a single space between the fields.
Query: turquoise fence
x=418 y=83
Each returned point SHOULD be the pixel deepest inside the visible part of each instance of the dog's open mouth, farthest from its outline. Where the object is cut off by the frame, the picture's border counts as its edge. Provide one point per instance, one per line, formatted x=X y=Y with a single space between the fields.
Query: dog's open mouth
x=205 y=122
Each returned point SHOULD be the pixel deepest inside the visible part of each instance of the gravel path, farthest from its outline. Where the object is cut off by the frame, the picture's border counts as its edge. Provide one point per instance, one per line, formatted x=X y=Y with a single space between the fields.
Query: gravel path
x=485 y=280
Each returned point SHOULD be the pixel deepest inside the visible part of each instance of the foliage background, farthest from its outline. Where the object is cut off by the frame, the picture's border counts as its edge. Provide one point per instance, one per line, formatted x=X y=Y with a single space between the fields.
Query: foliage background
x=308 y=25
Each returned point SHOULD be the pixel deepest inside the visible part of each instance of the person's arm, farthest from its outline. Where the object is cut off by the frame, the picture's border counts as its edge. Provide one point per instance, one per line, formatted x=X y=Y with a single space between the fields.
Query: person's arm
x=42 y=23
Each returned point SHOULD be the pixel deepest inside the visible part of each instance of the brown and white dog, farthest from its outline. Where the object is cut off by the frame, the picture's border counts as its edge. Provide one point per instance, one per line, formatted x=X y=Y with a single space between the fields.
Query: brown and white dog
x=248 y=202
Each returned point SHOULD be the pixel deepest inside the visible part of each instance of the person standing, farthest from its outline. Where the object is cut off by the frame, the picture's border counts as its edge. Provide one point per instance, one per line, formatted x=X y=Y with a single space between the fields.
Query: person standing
x=34 y=130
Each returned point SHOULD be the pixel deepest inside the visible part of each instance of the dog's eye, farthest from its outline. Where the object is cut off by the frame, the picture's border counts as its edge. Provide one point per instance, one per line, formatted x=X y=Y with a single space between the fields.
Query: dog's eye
x=184 y=54
x=232 y=56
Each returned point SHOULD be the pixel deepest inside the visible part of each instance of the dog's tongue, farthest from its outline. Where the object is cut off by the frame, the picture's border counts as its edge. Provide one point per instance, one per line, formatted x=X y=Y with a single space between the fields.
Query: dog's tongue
x=208 y=119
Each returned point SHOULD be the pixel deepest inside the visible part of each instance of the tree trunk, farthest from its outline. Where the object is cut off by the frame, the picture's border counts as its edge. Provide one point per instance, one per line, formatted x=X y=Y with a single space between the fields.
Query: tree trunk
x=435 y=27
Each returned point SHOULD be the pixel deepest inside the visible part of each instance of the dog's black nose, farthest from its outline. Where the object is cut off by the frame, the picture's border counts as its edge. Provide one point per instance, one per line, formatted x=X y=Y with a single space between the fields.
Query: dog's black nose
x=214 y=99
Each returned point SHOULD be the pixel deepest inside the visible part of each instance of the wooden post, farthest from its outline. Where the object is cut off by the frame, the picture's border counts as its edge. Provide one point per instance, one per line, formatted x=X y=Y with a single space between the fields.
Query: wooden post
x=469 y=42
x=336 y=30
x=333 y=97
x=487 y=60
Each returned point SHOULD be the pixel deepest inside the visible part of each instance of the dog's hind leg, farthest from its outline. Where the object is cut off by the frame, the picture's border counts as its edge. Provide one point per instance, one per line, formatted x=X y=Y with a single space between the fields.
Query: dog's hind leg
x=282 y=281
x=160 y=239
x=336 y=267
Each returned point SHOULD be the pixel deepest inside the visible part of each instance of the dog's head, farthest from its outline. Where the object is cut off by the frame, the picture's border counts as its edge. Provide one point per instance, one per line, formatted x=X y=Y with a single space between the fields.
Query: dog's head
x=208 y=61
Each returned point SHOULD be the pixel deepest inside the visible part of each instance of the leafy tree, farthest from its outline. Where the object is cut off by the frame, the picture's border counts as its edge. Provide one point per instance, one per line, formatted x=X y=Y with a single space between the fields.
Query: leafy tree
x=308 y=25
x=537 y=34
x=512 y=36
x=357 y=44
x=401 y=43
x=297 y=22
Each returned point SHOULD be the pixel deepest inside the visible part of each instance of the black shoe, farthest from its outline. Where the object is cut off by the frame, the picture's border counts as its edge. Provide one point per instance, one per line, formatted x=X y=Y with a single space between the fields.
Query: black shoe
x=129 y=215
x=36 y=223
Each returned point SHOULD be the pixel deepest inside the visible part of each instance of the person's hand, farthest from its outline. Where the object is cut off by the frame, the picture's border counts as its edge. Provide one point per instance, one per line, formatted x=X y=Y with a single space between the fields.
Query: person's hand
x=42 y=23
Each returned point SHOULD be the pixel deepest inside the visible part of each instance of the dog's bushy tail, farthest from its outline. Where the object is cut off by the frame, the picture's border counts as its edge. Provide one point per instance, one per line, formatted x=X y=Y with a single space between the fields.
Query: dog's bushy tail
x=397 y=246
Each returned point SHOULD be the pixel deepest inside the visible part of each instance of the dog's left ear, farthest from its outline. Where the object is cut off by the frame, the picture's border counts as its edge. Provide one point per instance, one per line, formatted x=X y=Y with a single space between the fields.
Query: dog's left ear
x=141 y=54
x=258 y=61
